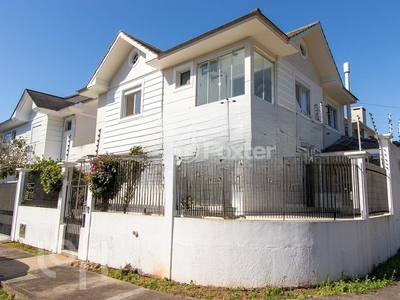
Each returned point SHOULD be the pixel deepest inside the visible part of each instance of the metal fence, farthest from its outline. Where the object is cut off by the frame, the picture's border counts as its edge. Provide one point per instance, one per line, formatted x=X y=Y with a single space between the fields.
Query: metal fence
x=286 y=188
x=377 y=190
x=7 y=198
x=34 y=195
x=141 y=187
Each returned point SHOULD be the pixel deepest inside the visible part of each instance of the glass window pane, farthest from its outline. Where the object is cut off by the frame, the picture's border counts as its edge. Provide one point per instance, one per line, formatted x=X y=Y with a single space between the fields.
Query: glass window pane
x=225 y=76
x=237 y=73
x=213 y=85
x=268 y=81
x=138 y=102
x=129 y=104
x=202 y=74
x=185 y=78
x=258 y=75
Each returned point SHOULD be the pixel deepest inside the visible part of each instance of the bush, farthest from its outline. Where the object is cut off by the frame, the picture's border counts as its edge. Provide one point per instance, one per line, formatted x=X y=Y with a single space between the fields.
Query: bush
x=51 y=175
x=103 y=179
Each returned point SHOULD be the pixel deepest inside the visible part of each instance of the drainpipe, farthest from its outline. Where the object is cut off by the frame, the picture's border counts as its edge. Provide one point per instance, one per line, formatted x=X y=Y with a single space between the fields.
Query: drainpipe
x=346 y=69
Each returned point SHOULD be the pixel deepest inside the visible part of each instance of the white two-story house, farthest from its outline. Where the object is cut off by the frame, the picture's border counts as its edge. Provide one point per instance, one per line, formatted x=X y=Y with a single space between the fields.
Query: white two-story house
x=56 y=127
x=243 y=87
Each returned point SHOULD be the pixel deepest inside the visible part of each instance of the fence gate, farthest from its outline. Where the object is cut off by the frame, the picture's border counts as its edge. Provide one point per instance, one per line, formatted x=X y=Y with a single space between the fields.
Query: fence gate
x=7 y=198
x=73 y=213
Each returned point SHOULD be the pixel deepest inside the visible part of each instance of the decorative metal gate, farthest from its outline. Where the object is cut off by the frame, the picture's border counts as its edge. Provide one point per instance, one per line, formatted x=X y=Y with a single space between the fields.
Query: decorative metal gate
x=74 y=217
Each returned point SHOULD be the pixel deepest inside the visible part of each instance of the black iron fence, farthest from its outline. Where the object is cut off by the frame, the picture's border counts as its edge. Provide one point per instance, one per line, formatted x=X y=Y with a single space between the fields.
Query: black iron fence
x=140 y=187
x=377 y=190
x=34 y=195
x=286 y=188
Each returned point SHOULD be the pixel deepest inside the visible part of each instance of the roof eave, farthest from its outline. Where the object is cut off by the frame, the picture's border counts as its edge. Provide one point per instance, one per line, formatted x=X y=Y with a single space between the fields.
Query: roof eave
x=254 y=25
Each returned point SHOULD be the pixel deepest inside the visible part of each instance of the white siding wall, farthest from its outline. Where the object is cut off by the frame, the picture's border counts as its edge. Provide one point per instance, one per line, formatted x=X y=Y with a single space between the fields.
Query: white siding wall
x=203 y=130
x=53 y=136
x=144 y=129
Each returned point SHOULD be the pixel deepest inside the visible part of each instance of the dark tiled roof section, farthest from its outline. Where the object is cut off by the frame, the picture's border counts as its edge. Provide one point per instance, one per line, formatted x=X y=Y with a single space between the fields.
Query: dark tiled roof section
x=148 y=46
x=56 y=103
x=76 y=98
x=301 y=29
x=48 y=101
x=346 y=143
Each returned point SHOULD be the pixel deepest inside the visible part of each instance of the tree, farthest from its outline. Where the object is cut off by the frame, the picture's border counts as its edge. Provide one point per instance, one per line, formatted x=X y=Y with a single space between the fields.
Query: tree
x=13 y=154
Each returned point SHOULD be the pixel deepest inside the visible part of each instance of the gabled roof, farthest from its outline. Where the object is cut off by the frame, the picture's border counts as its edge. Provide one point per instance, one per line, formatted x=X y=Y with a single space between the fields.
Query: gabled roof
x=41 y=100
x=298 y=31
x=252 y=25
x=318 y=47
x=48 y=101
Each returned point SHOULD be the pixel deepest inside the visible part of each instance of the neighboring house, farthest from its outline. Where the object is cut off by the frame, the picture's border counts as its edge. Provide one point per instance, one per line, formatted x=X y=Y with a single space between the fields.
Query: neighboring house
x=242 y=85
x=52 y=124
x=358 y=114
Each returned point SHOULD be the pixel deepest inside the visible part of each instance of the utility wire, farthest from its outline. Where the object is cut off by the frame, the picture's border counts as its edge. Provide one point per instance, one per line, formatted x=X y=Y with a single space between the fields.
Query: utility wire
x=397 y=107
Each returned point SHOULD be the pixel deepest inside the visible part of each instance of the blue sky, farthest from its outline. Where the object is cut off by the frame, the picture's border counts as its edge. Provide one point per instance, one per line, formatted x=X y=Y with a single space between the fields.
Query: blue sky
x=55 y=46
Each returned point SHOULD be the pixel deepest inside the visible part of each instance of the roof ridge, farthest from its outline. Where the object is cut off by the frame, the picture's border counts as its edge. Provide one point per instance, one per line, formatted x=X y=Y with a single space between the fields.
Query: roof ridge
x=29 y=90
x=143 y=43
x=302 y=29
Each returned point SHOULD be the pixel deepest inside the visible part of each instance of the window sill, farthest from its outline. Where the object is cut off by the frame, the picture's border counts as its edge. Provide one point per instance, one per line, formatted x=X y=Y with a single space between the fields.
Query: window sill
x=182 y=87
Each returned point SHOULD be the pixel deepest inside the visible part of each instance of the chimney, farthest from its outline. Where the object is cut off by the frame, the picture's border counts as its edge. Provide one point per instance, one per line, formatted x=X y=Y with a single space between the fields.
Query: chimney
x=346 y=69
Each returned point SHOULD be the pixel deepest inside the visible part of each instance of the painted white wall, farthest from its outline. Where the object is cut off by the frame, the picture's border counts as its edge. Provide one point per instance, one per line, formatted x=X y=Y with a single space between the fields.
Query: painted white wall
x=113 y=243
x=41 y=226
x=253 y=253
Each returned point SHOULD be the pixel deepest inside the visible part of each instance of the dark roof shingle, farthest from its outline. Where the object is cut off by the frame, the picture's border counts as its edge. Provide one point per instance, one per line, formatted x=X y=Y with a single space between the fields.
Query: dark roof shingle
x=53 y=102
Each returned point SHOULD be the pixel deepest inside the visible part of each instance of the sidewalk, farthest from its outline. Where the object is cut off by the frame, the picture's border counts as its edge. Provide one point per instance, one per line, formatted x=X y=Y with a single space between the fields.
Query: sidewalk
x=51 y=277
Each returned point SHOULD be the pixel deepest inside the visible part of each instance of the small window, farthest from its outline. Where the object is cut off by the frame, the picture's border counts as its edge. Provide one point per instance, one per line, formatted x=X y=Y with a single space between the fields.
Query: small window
x=303 y=49
x=13 y=134
x=303 y=98
x=68 y=125
x=132 y=103
x=184 y=78
x=332 y=114
x=134 y=58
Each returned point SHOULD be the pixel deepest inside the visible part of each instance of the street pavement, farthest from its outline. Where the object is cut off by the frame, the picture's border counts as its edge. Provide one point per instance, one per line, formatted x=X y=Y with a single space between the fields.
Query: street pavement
x=52 y=277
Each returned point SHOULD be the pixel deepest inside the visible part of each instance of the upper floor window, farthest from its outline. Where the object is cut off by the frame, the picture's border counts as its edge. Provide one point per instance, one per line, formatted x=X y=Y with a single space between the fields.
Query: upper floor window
x=132 y=102
x=220 y=78
x=134 y=58
x=263 y=77
x=9 y=136
x=332 y=115
x=303 y=98
x=68 y=125
x=184 y=78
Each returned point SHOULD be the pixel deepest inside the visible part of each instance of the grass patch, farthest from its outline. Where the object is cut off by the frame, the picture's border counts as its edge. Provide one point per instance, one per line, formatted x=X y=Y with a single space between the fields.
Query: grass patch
x=5 y=296
x=382 y=276
x=27 y=248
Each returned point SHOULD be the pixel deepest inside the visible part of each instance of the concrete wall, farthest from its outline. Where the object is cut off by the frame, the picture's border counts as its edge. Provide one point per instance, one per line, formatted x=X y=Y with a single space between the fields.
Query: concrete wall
x=113 y=243
x=42 y=227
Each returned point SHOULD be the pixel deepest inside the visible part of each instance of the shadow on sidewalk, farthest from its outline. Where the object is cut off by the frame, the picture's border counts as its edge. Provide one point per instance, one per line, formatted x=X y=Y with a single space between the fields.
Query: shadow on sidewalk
x=11 y=268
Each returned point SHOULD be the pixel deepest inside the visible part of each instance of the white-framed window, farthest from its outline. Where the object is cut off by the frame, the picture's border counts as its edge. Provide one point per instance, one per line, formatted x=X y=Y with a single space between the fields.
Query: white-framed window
x=13 y=135
x=183 y=76
x=331 y=116
x=132 y=102
x=134 y=58
x=263 y=77
x=68 y=125
x=220 y=77
x=303 y=49
x=303 y=98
